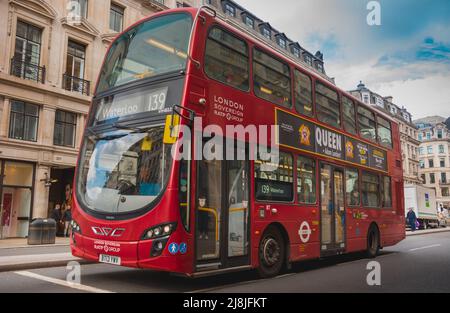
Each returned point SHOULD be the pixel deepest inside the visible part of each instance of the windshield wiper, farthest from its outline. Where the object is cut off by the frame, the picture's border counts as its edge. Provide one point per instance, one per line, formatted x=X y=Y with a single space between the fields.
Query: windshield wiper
x=96 y=136
x=134 y=130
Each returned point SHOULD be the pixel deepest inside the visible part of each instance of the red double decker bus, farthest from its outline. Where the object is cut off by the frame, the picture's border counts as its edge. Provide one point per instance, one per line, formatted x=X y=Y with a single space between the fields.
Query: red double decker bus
x=335 y=186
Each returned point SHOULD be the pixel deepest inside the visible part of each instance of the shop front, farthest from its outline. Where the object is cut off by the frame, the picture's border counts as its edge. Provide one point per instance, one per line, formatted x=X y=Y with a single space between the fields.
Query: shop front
x=16 y=201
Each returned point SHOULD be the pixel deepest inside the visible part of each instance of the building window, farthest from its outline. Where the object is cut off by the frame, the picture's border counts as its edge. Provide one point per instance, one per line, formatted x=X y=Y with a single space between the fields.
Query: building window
x=320 y=67
x=370 y=190
x=250 y=22
x=423 y=177
x=23 y=121
x=272 y=79
x=282 y=43
x=422 y=164
x=420 y=137
x=27 y=54
x=441 y=149
x=439 y=134
x=386 y=192
x=327 y=105
x=267 y=33
x=384 y=132
x=308 y=60
x=432 y=178
x=442 y=162
x=306 y=180
x=303 y=93
x=445 y=192
x=428 y=136
x=352 y=188
x=430 y=163
x=230 y=10
x=80 y=8
x=430 y=149
x=296 y=52
x=65 y=129
x=444 y=178
x=421 y=151
x=75 y=64
x=226 y=59
x=275 y=182
x=367 y=125
x=116 y=18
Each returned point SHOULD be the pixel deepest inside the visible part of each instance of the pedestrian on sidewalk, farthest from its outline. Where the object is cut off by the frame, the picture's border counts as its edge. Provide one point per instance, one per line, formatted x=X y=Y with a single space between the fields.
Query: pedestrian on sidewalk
x=67 y=220
x=411 y=219
x=57 y=215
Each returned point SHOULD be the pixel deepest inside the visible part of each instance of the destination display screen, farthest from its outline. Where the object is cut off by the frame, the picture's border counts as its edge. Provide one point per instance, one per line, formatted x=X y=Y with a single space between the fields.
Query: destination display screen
x=123 y=105
x=150 y=99
x=299 y=133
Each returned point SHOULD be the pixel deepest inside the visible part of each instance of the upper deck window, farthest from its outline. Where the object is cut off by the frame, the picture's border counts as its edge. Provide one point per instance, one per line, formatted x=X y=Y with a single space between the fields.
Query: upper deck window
x=327 y=105
x=226 y=59
x=303 y=93
x=348 y=110
x=272 y=79
x=384 y=132
x=154 y=47
x=367 y=125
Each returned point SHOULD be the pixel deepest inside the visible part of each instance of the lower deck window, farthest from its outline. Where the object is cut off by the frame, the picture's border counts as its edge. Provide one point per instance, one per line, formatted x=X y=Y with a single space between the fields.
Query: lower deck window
x=274 y=182
x=370 y=190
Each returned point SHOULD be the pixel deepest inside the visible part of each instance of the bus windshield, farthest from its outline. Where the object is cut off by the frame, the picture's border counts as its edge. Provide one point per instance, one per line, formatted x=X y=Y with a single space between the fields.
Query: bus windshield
x=122 y=171
x=157 y=46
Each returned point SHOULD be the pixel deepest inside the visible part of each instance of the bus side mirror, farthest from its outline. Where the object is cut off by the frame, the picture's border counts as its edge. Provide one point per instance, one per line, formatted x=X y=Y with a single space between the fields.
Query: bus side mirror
x=171 y=129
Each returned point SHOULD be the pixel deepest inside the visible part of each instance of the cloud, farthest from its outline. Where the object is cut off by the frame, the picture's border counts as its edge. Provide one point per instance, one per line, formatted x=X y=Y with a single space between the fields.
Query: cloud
x=407 y=57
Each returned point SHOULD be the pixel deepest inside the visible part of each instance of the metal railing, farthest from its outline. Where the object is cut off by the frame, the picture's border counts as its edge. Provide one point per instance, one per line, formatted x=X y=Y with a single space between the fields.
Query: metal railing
x=27 y=70
x=76 y=84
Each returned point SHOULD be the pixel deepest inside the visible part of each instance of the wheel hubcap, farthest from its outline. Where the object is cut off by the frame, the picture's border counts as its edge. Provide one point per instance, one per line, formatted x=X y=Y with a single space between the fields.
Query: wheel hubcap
x=271 y=252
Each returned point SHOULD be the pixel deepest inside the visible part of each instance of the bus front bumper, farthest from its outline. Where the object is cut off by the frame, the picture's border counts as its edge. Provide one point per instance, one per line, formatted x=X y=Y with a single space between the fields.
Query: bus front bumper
x=134 y=254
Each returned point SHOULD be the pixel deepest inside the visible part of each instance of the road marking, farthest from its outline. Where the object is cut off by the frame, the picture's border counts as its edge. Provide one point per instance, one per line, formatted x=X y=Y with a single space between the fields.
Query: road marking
x=62 y=282
x=426 y=247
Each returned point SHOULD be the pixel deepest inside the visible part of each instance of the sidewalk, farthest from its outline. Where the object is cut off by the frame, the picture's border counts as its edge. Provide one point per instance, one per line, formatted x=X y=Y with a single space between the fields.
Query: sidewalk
x=16 y=254
x=22 y=243
x=427 y=231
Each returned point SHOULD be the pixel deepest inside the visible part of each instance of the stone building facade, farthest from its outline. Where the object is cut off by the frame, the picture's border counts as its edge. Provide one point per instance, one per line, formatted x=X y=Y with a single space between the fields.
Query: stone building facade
x=434 y=157
x=50 y=55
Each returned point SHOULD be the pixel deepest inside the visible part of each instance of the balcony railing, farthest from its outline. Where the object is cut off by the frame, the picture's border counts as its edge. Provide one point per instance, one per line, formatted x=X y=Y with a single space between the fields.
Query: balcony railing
x=27 y=70
x=76 y=84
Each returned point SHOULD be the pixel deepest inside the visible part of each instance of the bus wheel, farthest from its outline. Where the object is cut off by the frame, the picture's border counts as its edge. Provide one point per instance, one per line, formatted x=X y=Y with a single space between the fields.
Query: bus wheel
x=373 y=242
x=271 y=253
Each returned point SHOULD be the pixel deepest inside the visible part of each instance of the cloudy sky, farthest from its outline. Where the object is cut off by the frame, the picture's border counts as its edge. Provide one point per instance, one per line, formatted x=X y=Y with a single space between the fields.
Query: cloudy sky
x=407 y=56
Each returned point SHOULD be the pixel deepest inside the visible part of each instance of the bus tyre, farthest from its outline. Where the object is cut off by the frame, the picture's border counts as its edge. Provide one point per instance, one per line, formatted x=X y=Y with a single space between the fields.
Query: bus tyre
x=373 y=242
x=271 y=253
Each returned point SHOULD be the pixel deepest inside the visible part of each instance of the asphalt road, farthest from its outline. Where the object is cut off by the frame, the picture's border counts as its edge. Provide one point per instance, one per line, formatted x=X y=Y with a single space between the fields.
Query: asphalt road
x=418 y=264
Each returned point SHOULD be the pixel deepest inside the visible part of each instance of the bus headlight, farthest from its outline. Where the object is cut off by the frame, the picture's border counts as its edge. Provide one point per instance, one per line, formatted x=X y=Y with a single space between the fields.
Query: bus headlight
x=159 y=231
x=75 y=227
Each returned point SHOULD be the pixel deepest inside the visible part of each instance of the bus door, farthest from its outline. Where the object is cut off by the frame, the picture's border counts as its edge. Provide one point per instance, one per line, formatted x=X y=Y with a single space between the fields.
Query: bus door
x=332 y=210
x=222 y=214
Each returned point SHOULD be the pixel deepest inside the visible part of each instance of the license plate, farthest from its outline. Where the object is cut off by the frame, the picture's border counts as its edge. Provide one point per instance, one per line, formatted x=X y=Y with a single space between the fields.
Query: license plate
x=109 y=259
